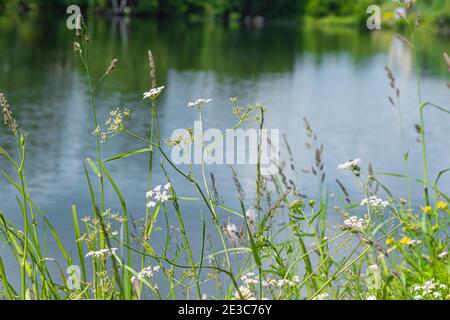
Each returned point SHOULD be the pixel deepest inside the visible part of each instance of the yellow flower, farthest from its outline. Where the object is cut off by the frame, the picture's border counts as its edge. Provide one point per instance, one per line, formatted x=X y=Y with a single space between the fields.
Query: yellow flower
x=388 y=15
x=427 y=209
x=389 y=241
x=405 y=240
x=442 y=205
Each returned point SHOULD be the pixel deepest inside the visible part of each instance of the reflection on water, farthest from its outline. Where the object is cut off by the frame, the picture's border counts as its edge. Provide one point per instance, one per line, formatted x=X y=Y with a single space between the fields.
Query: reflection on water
x=335 y=78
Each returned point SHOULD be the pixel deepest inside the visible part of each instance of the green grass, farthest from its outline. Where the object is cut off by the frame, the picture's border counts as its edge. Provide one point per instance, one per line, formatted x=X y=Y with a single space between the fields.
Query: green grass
x=282 y=248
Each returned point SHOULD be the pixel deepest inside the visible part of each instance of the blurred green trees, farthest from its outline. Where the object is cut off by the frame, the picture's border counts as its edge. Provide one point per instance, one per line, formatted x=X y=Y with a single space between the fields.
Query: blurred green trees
x=242 y=8
x=271 y=8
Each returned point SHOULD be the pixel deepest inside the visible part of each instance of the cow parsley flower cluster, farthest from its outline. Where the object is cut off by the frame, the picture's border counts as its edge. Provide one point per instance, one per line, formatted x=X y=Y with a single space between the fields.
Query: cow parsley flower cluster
x=430 y=290
x=281 y=283
x=106 y=226
x=350 y=165
x=114 y=123
x=109 y=214
x=158 y=195
x=355 y=224
x=247 y=294
x=374 y=202
x=250 y=279
x=101 y=254
x=147 y=272
x=153 y=93
x=250 y=282
x=443 y=255
x=183 y=139
x=198 y=103
x=322 y=296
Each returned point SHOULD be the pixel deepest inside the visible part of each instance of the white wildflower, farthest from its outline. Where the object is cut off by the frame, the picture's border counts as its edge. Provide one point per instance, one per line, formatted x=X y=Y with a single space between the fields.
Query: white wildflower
x=153 y=93
x=183 y=140
x=249 y=279
x=151 y=204
x=247 y=294
x=198 y=103
x=102 y=254
x=285 y=283
x=97 y=130
x=162 y=197
x=356 y=224
x=443 y=255
x=429 y=290
x=374 y=202
x=157 y=195
x=269 y=283
x=322 y=296
x=147 y=272
x=373 y=268
x=350 y=165
x=114 y=123
x=371 y=298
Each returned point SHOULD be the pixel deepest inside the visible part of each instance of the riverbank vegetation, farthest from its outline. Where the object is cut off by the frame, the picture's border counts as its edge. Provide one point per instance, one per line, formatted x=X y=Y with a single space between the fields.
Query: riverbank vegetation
x=333 y=12
x=275 y=243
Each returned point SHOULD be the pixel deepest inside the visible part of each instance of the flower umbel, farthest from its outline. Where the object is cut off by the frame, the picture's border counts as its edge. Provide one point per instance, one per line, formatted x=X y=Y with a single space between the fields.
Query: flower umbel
x=350 y=165
x=374 y=202
x=430 y=290
x=198 y=103
x=101 y=254
x=353 y=165
x=355 y=224
x=159 y=194
x=153 y=93
x=115 y=123
x=147 y=272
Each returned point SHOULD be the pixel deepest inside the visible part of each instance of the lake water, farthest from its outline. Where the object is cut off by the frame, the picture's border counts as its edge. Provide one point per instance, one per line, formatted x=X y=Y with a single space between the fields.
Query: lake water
x=333 y=77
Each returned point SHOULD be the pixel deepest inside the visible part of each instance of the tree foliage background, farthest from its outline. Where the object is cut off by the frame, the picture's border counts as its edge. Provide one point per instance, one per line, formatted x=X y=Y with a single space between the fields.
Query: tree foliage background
x=243 y=8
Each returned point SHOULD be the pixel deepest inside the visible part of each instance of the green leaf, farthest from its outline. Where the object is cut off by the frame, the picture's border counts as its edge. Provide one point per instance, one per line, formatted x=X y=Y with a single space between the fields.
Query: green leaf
x=6 y=154
x=8 y=288
x=149 y=227
x=58 y=242
x=250 y=235
x=94 y=167
x=397 y=175
x=127 y=154
x=78 y=243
